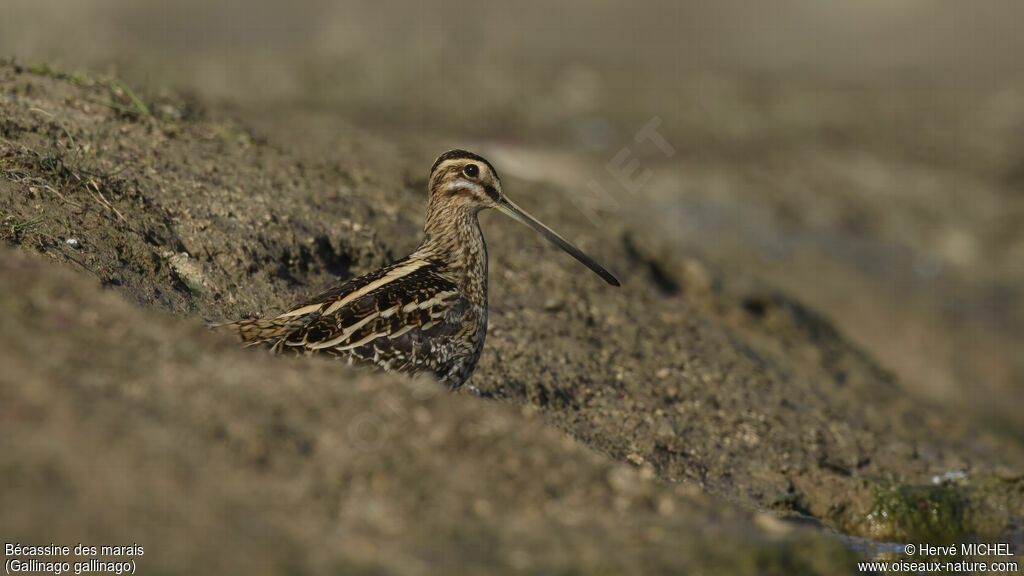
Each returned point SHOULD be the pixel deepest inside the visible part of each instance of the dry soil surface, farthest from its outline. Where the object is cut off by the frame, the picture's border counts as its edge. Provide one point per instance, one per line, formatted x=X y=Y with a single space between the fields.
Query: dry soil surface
x=690 y=420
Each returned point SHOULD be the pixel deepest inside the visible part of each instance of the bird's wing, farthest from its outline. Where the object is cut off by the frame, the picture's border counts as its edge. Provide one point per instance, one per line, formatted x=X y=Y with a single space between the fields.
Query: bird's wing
x=273 y=331
x=404 y=318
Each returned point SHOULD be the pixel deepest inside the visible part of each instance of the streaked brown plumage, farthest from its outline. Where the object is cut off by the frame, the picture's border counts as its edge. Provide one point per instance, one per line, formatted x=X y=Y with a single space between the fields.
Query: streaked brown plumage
x=426 y=312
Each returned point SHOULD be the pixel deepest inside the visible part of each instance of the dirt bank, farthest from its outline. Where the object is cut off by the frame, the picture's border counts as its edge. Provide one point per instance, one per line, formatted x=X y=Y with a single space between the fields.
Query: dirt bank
x=636 y=429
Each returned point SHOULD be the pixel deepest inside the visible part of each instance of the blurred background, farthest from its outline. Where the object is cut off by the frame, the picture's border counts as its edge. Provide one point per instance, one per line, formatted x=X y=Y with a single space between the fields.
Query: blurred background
x=866 y=158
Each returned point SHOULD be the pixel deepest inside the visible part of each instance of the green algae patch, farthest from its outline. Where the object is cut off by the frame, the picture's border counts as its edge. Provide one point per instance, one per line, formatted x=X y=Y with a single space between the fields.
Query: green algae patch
x=933 y=514
x=982 y=507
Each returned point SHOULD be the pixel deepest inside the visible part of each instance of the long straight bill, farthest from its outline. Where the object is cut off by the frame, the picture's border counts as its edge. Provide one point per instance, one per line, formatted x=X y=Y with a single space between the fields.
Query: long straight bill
x=516 y=213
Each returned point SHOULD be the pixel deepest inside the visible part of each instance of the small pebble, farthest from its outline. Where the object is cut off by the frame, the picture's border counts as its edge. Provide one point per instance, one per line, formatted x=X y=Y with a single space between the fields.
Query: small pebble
x=553 y=304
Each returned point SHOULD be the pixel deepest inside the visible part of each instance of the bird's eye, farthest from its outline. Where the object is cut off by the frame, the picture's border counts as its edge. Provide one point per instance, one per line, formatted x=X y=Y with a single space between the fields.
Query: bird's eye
x=471 y=170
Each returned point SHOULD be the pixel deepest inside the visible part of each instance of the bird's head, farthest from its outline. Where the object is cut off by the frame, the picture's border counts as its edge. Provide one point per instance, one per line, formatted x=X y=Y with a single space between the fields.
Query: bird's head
x=462 y=181
x=465 y=180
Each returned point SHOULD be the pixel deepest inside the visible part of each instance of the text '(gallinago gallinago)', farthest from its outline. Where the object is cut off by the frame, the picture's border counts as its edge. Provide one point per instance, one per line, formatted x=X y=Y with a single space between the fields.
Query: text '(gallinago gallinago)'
x=426 y=312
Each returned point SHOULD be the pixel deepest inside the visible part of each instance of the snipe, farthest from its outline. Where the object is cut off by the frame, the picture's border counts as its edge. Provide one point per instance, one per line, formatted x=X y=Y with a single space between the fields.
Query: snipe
x=426 y=312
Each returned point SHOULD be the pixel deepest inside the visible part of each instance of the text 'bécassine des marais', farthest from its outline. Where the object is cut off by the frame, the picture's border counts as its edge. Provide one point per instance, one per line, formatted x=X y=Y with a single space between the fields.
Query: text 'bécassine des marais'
x=16 y=549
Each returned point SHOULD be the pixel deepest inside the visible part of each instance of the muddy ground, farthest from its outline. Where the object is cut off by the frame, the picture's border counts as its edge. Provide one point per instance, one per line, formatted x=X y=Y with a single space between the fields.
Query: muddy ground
x=815 y=342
